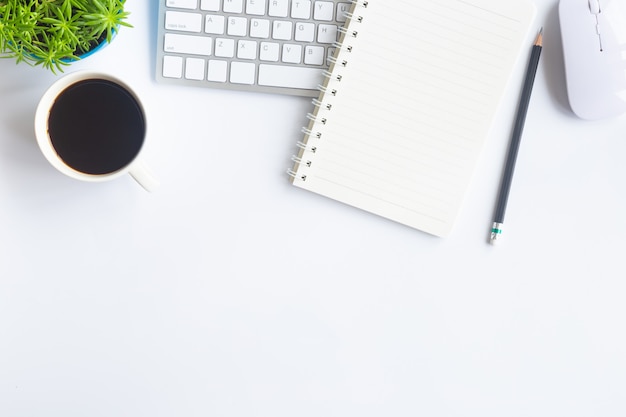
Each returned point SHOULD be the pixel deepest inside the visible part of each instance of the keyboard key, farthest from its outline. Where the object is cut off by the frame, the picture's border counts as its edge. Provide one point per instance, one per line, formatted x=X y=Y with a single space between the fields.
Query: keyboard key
x=183 y=21
x=342 y=12
x=314 y=55
x=301 y=9
x=292 y=53
x=217 y=71
x=233 y=6
x=182 y=4
x=282 y=30
x=324 y=10
x=330 y=53
x=327 y=34
x=237 y=26
x=186 y=44
x=305 y=32
x=289 y=77
x=172 y=66
x=194 y=69
x=270 y=51
x=246 y=49
x=210 y=5
x=259 y=28
x=242 y=73
x=215 y=24
x=278 y=8
x=224 y=47
x=256 y=7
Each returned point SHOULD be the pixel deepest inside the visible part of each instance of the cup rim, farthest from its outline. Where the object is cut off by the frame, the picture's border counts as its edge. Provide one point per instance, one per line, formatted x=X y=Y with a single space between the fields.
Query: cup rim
x=41 y=124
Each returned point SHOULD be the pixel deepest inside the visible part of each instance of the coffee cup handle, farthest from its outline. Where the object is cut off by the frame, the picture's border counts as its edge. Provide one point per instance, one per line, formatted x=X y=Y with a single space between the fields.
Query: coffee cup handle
x=141 y=173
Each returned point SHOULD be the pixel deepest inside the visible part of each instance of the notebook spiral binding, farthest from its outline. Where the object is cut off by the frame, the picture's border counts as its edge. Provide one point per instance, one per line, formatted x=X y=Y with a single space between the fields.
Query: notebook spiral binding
x=328 y=92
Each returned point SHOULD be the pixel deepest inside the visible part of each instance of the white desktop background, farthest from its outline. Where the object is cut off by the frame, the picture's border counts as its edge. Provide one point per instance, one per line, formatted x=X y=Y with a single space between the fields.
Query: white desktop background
x=229 y=292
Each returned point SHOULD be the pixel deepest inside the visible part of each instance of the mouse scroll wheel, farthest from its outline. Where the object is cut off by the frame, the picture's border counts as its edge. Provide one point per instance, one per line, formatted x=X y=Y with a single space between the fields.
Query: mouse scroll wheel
x=594 y=6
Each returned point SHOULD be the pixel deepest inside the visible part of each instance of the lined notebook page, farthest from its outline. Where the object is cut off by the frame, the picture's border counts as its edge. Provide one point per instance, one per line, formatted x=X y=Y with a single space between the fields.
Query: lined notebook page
x=414 y=92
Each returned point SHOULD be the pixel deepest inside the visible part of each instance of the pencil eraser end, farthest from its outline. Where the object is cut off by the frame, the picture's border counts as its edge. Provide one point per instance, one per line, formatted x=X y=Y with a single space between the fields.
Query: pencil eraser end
x=496 y=233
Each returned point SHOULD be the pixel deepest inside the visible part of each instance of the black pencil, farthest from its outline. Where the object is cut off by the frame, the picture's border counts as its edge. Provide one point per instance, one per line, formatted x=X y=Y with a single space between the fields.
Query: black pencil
x=505 y=186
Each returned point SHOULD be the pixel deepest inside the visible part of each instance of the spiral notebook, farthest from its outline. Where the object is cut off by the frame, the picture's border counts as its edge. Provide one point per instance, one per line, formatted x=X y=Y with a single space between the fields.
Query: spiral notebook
x=407 y=105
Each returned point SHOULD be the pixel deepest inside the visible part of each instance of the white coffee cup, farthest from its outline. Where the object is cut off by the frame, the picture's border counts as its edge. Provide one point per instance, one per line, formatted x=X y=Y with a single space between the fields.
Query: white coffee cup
x=91 y=126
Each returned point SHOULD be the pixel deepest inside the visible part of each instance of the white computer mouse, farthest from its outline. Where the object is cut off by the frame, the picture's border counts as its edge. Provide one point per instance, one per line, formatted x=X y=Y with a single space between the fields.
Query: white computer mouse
x=594 y=49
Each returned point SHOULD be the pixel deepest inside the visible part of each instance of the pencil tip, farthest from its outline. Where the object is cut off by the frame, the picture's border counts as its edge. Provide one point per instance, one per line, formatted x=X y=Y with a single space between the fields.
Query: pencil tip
x=539 y=41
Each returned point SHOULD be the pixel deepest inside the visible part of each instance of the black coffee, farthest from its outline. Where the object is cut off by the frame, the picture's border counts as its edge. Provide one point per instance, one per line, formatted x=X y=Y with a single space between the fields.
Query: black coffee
x=96 y=126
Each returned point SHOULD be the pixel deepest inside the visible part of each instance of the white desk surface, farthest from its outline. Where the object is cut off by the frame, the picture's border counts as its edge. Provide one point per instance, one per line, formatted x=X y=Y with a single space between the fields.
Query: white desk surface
x=229 y=292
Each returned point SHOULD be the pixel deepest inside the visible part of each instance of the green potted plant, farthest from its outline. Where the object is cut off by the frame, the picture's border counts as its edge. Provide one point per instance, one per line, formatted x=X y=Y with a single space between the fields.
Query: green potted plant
x=53 y=33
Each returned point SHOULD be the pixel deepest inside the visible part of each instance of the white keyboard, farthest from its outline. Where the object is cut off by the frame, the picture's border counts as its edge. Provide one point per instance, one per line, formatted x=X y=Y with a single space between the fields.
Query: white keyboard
x=274 y=46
